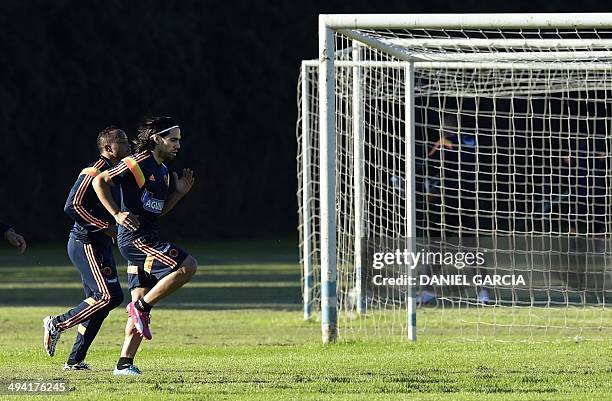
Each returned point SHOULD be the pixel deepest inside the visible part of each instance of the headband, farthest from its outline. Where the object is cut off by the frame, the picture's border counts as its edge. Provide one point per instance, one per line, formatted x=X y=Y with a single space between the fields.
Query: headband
x=165 y=130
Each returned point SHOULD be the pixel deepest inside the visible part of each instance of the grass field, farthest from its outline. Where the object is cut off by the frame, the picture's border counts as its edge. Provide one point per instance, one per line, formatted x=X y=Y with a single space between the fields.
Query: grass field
x=236 y=333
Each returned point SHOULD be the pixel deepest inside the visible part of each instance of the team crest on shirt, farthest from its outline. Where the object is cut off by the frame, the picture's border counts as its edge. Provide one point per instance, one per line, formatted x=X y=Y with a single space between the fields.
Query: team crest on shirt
x=107 y=271
x=173 y=253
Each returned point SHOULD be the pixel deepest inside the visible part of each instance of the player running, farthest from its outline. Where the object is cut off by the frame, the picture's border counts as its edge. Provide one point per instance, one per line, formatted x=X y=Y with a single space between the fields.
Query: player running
x=156 y=268
x=90 y=250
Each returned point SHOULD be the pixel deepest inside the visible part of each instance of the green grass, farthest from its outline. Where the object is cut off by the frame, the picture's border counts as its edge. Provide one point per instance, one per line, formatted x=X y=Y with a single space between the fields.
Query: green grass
x=236 y=333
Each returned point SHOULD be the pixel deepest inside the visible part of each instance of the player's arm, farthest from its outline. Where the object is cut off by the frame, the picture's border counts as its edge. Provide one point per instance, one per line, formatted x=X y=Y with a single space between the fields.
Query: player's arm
x=442 y=142
x=181 y=187
x=74 y=206
x=102 y=185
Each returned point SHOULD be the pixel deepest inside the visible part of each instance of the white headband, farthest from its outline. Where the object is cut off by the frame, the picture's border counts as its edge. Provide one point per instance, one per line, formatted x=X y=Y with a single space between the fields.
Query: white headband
x=165 y=130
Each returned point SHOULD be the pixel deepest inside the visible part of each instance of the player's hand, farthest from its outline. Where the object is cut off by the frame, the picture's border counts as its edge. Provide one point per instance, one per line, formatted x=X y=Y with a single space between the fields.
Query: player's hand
x=16 y=240
x=128 y=220
x=184 y=184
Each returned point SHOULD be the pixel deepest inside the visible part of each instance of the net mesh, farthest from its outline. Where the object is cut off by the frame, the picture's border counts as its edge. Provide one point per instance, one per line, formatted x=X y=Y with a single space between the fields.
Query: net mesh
x=308 y=186
x=512 y=158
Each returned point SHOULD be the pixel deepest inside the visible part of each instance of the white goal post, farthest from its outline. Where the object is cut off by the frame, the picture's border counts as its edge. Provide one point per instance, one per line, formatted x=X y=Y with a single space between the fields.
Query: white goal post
x=528 y=94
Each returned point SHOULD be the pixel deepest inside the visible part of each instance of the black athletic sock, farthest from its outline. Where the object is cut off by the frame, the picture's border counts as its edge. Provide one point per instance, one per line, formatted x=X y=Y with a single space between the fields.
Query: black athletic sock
x=142 y=306
x=71 y=362
x=124 y=362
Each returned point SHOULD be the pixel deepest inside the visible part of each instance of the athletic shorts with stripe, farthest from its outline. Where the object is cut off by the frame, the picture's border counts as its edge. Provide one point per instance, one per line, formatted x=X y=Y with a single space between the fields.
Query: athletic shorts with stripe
x=150 y=259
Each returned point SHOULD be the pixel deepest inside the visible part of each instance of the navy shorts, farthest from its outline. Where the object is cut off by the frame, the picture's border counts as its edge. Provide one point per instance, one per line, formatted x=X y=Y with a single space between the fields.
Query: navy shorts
x=150 y=259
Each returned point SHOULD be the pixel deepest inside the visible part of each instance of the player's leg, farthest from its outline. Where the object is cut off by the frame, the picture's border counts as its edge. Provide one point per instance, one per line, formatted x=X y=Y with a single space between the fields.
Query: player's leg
x=131 y=343
x=169 y=281
x=88 y=330
x=91 y=263
x=132 y=338
x=86 y=333
x=78 y=342
x=170 y=266
x=172 y=281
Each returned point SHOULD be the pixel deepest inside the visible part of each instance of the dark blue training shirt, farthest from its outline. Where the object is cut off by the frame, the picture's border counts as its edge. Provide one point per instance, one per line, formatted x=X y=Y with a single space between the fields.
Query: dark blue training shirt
x=90 y=217
x=145 y=187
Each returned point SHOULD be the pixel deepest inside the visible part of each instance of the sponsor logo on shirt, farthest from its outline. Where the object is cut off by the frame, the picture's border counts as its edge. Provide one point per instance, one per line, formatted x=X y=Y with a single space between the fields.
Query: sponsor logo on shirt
x=151 y=204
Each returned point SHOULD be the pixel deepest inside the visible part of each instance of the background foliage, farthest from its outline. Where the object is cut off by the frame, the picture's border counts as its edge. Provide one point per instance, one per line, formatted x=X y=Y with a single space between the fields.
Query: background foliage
x=227 y=70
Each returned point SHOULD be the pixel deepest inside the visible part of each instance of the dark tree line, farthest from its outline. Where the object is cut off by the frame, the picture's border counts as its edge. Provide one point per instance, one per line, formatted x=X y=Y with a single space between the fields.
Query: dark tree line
x=226 y=70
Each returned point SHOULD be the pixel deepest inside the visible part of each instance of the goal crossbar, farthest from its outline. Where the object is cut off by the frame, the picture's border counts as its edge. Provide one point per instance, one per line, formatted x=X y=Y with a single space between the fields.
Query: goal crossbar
x=465 y=21
x=397 y=49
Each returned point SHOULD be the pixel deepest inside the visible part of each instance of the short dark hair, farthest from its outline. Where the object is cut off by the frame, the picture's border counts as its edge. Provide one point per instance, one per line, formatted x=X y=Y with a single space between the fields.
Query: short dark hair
x=149 y=127
x=106 y=135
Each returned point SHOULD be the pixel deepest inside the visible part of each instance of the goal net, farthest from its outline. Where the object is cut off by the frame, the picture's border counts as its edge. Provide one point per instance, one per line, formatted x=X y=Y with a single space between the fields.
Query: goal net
x=451 y=136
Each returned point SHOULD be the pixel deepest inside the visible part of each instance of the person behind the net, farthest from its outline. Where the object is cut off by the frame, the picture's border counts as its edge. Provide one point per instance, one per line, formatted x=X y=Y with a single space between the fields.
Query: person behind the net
x=90 y=249
x=455 y=188
x=587 y=169
x=156 y=267
x=13 y=238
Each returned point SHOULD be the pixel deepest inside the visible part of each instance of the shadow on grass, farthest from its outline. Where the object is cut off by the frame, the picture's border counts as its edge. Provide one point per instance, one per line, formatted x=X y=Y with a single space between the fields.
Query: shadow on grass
x=207 y=253
x=232 y=275
x=196 y=298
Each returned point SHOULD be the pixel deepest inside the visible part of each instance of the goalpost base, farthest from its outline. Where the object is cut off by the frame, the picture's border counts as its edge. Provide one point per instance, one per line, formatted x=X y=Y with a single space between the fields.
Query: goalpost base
x=329 y=333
